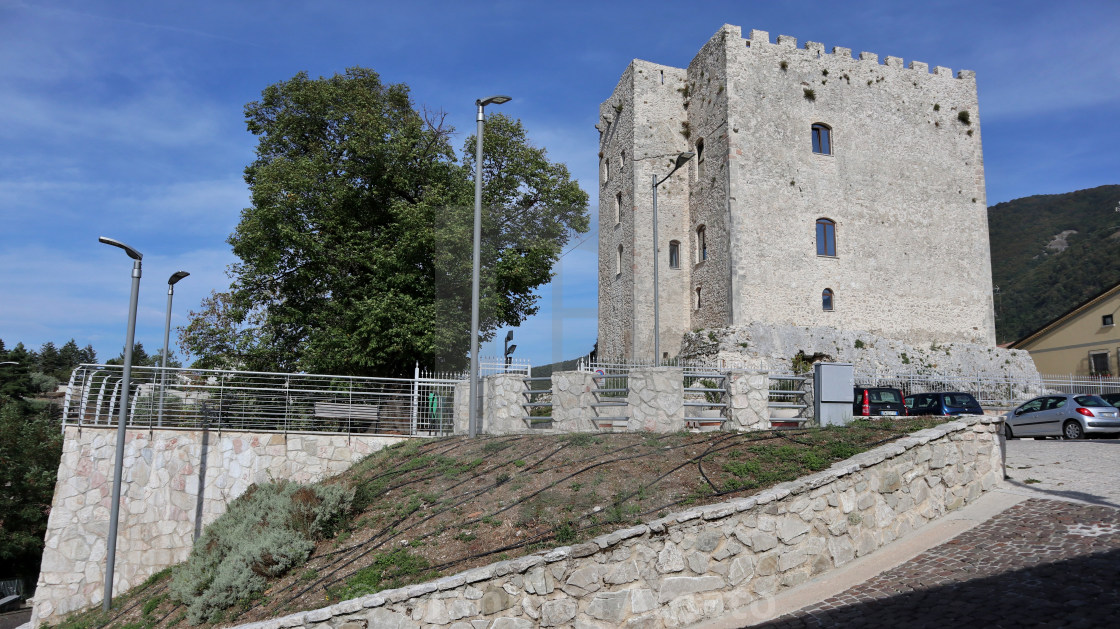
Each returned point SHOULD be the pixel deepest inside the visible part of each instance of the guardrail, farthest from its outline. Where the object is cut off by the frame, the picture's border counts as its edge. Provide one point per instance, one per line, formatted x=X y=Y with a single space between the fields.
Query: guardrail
x=261 y=401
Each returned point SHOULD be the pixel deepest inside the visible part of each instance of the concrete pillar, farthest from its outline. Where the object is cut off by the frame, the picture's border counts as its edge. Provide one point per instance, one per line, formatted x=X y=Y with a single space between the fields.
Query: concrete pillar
x=656 y=399
x=502 y=396
x=572 y=398
x=462 y=411
x=748 y=402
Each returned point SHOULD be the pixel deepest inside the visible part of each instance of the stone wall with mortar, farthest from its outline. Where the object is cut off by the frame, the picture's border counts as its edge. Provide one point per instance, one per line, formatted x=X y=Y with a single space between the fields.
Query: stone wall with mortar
x=904 y=185
x=704 y=562
x=640 y=135
x=175 y=482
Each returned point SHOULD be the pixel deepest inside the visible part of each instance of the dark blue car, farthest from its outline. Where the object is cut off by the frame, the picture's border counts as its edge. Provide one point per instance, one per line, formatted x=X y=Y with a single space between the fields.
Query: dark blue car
x=943 y=403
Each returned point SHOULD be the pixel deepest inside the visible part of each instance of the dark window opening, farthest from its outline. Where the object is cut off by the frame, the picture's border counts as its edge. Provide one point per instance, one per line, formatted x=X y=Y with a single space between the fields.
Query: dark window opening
x=1098 y=363
x=701 y=244
x=826 y=299
x=674 y=254
x=1107 y=320
x=822 y=139
x=826 y=237
x=618 y=208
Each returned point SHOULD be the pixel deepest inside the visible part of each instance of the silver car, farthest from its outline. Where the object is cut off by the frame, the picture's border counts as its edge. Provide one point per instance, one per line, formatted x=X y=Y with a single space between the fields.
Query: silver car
x=1071 y=416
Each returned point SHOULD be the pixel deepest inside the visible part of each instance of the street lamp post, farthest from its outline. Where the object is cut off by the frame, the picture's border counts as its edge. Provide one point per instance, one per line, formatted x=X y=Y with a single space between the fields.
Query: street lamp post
x=473 y=422
x=118 y=466
x=681 y=160
x=510 y=349
x=171 y=281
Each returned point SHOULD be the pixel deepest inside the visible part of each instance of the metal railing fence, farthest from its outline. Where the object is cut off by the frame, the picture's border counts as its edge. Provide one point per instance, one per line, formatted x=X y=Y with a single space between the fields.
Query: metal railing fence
x=262 y=401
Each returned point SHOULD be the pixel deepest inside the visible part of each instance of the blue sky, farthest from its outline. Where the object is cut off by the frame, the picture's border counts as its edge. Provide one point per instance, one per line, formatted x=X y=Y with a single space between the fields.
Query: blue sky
x=125 y=119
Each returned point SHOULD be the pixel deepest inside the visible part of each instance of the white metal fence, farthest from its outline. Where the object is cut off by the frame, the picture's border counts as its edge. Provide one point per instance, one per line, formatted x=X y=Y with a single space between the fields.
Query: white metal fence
x=264 y=401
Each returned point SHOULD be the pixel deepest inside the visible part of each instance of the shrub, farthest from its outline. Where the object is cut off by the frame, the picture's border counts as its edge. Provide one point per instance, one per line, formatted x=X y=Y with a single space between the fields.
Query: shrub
x=964 y=117
x=266 y=532
x=810 y=94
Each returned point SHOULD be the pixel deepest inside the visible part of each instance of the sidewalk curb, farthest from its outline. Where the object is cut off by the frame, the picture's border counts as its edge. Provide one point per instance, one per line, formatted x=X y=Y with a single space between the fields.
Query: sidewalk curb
x=894 y=554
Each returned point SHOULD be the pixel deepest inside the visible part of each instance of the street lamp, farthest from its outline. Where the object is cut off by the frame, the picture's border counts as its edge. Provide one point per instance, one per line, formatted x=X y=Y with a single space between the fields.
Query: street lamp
x=118 y=466
x=473 y=421
x=171 y=281
x=681 y=160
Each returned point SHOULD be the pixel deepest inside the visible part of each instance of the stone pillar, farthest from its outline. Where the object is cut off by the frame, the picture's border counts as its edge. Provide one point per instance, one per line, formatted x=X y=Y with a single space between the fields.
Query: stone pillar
x=656 y=399
x=571 y=401
x=748 y=400
x=461 y=408
x=502 y=396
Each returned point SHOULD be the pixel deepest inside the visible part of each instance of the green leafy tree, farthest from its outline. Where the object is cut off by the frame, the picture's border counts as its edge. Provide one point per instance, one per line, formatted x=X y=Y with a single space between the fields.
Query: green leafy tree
x=355 y=255
x=15 y=380
x=30 y=449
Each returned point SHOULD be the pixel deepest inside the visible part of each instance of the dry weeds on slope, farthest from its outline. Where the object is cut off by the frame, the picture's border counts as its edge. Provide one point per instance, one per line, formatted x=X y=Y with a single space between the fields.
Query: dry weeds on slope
x=427 y=508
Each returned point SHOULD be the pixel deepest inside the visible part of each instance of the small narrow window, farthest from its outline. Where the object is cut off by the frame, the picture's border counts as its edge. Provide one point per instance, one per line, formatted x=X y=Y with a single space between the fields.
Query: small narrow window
x=602 y=170
x=700 y=159
x=1107 y=320
x=697 y=297
x=822 y=139
x=663 y=77
x=674 y=254
x=618 y=208
x=826 y=237
x=826 y=299
x=618 y=262
x=701 y=244
x=622 y=162
x=608 y=168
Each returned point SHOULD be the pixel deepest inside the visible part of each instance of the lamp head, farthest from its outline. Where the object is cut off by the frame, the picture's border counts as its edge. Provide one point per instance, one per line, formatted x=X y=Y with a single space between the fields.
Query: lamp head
x=132 y=253
x=509 y=336
x=175 y=277
x=683 y=158
x=511 y=349
x=492 y=100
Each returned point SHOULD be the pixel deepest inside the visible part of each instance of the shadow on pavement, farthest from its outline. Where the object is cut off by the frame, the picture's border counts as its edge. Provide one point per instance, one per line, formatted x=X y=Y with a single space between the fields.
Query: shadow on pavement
x=1062 y=494
x=1080 y=592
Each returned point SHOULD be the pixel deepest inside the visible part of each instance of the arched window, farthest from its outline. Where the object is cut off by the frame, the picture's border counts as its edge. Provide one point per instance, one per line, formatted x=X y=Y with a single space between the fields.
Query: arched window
x=827 y=299
x=826 y=237
x=822 y=138
x=697 y=297
x=618 y=262
x=674 y=254
x=618 y=208
x=701 y=244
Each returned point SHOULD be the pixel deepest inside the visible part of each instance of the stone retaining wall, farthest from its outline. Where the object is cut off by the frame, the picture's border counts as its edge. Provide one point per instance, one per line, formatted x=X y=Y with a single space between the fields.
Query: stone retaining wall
x=175 y=482
x=706 y=561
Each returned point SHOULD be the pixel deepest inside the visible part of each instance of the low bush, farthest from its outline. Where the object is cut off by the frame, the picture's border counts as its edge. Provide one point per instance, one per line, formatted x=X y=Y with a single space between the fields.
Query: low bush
x=266 y=532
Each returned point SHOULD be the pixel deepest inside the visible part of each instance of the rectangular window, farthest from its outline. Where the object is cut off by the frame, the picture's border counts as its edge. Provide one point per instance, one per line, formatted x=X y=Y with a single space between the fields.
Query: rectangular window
x=826 y=238
x=674 y=255
x=618 y=208
x=1098 y=363
x=1106 y=320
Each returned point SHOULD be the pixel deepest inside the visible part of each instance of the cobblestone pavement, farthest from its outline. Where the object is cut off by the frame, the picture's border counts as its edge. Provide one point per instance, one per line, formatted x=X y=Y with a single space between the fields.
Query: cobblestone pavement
x=1041 y=563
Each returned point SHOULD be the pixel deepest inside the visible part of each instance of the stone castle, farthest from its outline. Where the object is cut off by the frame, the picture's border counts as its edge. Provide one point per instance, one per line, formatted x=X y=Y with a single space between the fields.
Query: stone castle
x=825 y=191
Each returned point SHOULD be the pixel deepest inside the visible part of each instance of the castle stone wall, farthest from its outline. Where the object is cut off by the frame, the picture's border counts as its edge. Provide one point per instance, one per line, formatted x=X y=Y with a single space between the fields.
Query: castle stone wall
x=904 y=184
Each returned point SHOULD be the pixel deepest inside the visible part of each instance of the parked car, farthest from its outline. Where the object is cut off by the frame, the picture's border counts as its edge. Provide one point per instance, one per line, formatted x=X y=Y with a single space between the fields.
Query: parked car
x=942 y=403
x=1112 y=398
x=877 y=401
x=1071 y=416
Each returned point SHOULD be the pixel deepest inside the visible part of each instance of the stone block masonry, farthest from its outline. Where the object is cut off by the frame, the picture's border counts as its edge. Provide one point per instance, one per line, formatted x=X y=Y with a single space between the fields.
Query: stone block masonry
x=706 y=561
x=176 y=482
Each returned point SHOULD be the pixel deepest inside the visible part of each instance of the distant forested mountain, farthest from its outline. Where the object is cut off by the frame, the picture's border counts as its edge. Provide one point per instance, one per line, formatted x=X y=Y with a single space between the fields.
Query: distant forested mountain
x=1050 y=253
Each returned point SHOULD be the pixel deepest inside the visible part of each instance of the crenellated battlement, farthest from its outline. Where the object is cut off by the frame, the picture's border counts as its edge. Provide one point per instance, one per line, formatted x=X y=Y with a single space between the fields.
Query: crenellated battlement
x=761 y=39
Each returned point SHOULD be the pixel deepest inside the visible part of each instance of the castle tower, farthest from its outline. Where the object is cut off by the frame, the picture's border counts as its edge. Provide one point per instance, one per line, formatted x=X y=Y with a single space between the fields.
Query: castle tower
x=825 y=191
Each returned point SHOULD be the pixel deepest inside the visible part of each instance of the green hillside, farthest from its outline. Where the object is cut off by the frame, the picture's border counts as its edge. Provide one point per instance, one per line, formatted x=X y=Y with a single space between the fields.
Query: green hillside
x=1038 y=277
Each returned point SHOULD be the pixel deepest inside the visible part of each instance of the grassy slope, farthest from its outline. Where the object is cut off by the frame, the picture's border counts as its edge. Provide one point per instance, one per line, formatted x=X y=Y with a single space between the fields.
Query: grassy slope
x=1037 y=284
x=437 y=507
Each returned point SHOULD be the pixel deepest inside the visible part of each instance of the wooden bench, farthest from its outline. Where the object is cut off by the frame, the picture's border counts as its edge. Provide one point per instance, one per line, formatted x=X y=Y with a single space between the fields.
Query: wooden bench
x=367 y=414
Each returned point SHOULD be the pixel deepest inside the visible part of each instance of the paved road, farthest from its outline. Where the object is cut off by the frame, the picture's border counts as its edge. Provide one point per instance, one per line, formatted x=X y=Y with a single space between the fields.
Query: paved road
x=1051 y=560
